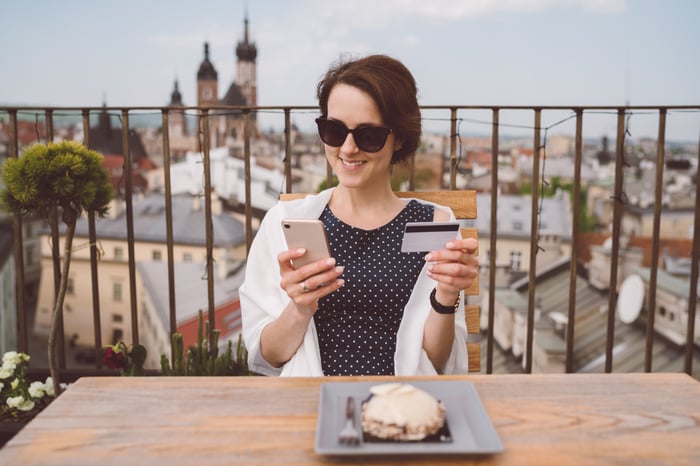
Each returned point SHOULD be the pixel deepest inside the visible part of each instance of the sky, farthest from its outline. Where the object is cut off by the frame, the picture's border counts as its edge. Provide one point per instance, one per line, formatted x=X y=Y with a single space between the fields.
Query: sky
x=461 y=52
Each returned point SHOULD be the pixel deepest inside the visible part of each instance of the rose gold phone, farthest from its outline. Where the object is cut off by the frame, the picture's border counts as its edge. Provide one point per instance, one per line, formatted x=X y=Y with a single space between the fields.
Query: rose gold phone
x=308 y=234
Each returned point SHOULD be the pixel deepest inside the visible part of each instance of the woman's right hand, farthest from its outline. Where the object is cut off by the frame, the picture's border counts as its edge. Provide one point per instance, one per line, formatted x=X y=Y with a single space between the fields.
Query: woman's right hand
x=306 y=285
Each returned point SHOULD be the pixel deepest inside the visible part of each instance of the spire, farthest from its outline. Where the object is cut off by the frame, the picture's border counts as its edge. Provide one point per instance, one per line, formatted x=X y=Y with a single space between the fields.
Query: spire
x=176 y=97
x=246 y=50
x=206 y=69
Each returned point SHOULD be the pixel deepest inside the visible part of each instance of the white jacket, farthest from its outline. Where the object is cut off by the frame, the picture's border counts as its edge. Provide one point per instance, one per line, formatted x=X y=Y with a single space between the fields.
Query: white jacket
x=263 y=300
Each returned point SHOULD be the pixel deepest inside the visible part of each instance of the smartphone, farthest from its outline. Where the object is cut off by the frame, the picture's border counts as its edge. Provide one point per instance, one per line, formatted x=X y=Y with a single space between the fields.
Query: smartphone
x=308 y=234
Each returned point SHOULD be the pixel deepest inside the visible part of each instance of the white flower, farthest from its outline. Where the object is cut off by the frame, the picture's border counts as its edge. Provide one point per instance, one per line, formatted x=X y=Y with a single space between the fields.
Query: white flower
x=20 y=403
x=15 y=384
x=48 y=387
x=14 y=357
x=7 y=370
x=37 y=390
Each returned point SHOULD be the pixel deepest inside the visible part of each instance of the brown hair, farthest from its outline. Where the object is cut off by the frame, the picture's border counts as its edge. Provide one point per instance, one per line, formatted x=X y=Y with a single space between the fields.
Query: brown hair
x=392 y=87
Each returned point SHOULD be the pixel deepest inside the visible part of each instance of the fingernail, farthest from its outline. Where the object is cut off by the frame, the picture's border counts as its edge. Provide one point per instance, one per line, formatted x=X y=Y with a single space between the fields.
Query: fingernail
x=301 y=251
x=429 y=257
x=449 y=245
x=339 y=269
x=341 y=282
x=330 y=261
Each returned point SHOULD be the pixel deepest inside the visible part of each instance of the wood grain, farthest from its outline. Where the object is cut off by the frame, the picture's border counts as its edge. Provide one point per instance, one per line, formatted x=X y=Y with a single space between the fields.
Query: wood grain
x=593 y=419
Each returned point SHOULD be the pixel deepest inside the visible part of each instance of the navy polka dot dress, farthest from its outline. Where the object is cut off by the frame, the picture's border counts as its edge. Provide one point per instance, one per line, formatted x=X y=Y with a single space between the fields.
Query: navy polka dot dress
x=357 y=324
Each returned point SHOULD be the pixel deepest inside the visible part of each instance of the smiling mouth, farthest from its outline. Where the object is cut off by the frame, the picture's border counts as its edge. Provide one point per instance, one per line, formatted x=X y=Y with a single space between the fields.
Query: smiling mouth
x=354 y=164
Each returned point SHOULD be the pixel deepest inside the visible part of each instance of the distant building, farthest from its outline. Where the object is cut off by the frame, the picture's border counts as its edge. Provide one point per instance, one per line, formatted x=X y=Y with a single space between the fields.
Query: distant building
x=150 y=244
x=191 y=296
x=227 y=126
x=514 y=232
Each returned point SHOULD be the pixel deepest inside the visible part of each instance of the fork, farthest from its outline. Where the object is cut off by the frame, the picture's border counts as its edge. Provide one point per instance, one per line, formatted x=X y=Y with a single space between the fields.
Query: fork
x=349 y=435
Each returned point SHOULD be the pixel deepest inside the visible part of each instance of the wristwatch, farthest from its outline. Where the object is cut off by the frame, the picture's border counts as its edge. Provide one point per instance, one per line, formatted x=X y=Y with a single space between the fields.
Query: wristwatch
x=441 y=309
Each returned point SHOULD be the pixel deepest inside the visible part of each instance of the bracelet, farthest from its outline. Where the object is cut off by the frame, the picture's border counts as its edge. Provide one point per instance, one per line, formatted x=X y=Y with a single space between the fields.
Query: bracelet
x=441 y=309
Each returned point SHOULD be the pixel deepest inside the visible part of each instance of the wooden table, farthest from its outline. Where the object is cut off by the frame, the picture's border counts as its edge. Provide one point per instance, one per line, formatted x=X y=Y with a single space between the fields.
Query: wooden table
x=620 y=419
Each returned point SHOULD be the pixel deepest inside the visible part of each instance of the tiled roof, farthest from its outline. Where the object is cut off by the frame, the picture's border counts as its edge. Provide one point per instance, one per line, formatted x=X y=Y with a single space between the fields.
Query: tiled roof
x=149 y=223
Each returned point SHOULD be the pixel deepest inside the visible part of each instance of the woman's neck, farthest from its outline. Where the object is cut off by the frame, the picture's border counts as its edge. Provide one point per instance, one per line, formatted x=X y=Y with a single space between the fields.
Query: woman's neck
x=365 y=209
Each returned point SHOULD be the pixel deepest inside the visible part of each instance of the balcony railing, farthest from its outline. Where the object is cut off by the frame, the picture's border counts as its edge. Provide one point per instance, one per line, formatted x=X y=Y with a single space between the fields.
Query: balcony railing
x=450 y=117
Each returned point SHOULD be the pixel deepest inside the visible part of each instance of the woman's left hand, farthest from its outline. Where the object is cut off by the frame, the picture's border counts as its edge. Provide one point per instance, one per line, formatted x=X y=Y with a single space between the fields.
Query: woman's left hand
x=455 y=267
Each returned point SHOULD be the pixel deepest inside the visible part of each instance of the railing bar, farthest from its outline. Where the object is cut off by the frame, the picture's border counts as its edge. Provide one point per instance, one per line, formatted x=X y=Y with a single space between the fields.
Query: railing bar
x=614 y=253
x=208 y=225
x=534 y=240
x=287 y=151
x=492 y=241
x=658 y=204
x=22 y=330
x=693 y=285
x=248 y=180
x=56 y=253
x=453 y=148
x=575 y=227
x=172 y=299
x=128 y=188
x=94 y=278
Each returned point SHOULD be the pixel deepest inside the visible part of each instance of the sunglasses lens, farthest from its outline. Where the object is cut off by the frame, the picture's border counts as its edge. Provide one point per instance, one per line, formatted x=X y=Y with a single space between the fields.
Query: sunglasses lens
x=332 y=132
x=371 y=139
x=368 y=139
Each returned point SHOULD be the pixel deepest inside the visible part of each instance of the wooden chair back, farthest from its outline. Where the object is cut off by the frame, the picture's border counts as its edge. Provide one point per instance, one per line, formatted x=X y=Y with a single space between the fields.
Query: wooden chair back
x=463 y=204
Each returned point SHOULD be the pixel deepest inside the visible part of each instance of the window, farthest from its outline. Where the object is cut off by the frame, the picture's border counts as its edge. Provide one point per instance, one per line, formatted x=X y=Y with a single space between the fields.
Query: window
x=157 y=255
x=70 y=286
x=117 y=318
x=117 y=292
x=187 y=257
x=515 y=257
x=118 y=253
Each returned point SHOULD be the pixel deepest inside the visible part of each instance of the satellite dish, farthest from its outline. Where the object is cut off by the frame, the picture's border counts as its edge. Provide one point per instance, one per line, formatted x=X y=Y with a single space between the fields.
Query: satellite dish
x=631 y=299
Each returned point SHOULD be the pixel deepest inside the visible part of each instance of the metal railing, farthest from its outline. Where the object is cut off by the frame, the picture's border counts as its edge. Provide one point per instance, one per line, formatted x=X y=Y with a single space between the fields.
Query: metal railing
x=205 y=114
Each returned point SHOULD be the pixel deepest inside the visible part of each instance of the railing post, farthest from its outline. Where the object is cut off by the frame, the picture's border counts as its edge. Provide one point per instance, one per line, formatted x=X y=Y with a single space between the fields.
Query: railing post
x=287 y=151
x=172 y=317
x=209 y=227
x=693 y=285
x=575 y=227
x=534 y=242
x=658 y=204
x=248 y=180
x=453 y=148
x=617 y=220
x=128 y=194
x=92 y=239
x=495 y=188
x=21 y=311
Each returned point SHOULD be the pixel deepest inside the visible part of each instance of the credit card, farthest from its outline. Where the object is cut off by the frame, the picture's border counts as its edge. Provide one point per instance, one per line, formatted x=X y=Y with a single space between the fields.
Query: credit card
x=428 y=236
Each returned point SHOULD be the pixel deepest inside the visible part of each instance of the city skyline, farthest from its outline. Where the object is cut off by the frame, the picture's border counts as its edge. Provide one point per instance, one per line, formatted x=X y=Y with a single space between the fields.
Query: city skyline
x=519 y=52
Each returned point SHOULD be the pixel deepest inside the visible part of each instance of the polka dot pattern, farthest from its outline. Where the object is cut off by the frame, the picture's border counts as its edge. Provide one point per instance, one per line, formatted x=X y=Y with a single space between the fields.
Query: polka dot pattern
x=357 y=324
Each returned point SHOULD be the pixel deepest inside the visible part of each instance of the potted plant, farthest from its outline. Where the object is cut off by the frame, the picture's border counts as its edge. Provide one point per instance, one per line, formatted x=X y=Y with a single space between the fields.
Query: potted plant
x=20 y=398
x=64 y=179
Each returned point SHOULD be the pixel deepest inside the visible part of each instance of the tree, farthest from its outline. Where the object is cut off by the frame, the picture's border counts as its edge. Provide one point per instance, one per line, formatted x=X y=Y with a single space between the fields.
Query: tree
x=65 y=179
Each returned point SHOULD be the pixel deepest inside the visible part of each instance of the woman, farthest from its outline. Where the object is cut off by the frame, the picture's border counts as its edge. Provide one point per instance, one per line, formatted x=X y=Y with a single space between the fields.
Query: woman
x=370 y=309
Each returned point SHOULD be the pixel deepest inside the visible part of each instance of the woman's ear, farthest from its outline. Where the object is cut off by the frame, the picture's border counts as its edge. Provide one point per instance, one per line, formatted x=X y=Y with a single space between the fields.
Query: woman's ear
x=397 y=144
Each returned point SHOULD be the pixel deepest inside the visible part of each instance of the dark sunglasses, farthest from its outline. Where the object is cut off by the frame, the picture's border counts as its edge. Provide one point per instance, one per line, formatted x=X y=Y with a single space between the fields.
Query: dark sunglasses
x=367 y=138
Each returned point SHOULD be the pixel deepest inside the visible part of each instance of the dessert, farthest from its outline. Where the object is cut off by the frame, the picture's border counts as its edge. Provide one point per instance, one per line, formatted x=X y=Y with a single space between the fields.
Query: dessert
x=401 y=412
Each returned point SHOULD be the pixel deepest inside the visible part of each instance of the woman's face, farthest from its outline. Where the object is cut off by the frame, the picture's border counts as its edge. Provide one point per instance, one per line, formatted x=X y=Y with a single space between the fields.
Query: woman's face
x=353 y=167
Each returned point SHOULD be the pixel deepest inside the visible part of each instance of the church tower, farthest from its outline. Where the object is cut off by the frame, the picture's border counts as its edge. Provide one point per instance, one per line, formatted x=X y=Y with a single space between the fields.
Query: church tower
x=178 y=124
x=207 y=86
x=246 y=79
